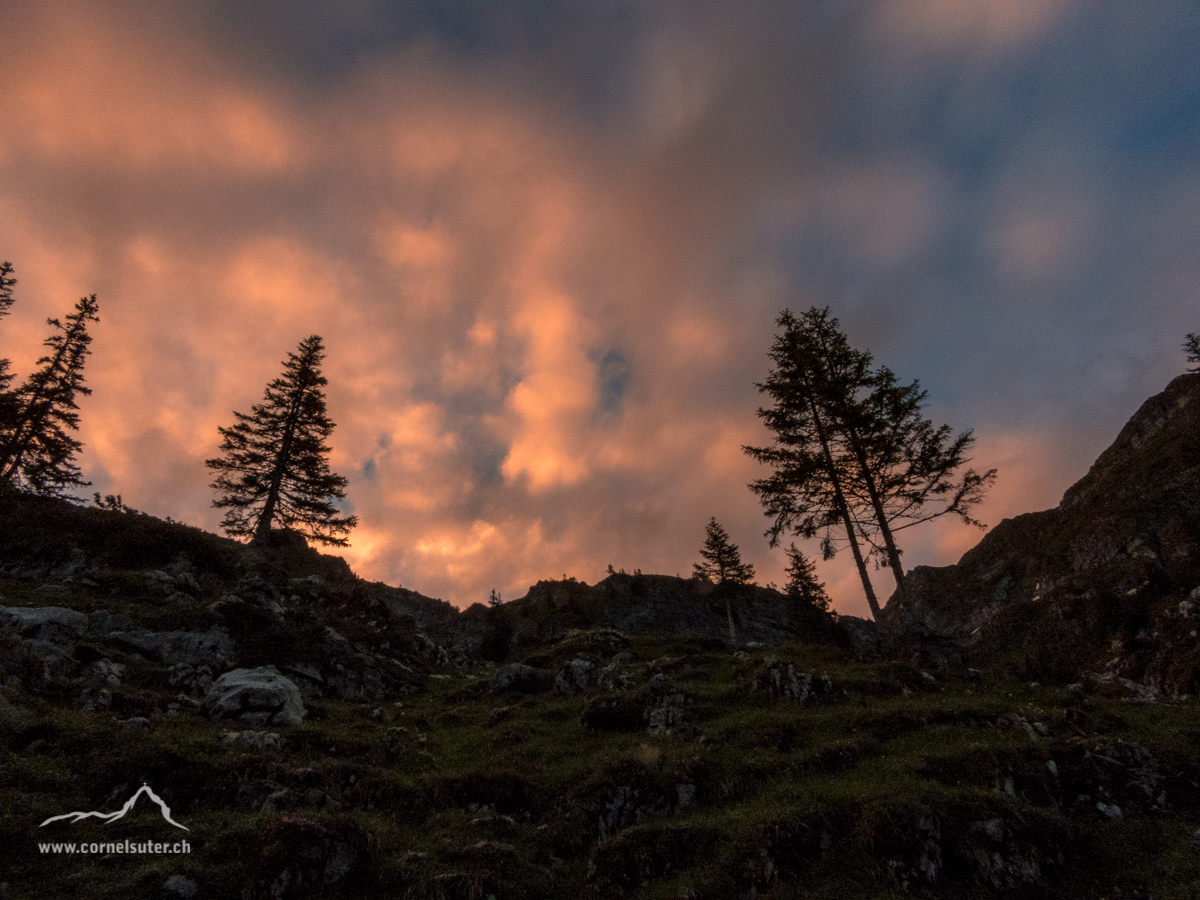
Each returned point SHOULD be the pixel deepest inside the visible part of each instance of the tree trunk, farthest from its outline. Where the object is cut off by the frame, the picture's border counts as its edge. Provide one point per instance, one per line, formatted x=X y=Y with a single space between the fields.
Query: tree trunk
x=889 y=543
x=263 y=528
x=844 y=510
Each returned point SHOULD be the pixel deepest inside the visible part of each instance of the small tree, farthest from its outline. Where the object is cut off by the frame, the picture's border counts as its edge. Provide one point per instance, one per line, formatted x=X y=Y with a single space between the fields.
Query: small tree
x=7 y=400
x=802 y=584
x=1192 y=348
x=722 y=562
x=274 y=466
x=36 y=448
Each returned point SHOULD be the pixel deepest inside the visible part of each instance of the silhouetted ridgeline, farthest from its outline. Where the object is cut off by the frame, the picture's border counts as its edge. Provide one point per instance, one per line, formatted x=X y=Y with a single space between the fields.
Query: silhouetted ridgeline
x=1108 y=579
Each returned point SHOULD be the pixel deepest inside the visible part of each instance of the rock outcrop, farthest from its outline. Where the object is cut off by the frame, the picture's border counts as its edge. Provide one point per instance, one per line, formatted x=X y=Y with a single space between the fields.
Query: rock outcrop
x=258 y=695
x=1100 y=581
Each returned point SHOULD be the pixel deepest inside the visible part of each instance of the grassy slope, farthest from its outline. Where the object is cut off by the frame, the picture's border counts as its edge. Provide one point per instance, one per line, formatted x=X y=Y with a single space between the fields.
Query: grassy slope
x=888 y=785
x=439 y=796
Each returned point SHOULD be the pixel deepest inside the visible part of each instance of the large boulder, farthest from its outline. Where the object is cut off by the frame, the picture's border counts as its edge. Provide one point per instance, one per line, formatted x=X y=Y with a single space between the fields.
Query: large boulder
x=258 y=695
x=45 y=623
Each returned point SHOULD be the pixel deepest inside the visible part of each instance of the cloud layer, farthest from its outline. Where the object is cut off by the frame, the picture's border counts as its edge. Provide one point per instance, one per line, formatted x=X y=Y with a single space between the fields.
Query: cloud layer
x=545 y=248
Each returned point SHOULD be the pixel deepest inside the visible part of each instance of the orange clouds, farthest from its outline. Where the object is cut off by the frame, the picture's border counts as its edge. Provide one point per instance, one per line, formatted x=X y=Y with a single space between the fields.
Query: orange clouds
x=545 y=301
x=84 y=87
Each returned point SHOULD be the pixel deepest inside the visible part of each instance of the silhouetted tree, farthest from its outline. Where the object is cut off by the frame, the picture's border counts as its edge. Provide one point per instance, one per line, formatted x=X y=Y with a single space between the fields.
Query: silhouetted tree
x=274 y=465
x=904 y=463
x=809 y=493
x=802 y=584
x=853 y=456
x=723 y=564
x=37 y=451
x=1192 y=348
x=7 y=400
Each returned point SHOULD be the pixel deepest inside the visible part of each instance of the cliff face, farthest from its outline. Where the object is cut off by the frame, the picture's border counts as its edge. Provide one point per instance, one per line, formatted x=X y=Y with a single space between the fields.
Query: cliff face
x=1108 y=579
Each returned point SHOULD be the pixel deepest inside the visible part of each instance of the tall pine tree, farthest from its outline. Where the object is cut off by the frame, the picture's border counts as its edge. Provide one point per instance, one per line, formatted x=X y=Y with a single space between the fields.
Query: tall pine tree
x=1191 y=347
x=274 y=467
x=37 y=451
x=722 y=562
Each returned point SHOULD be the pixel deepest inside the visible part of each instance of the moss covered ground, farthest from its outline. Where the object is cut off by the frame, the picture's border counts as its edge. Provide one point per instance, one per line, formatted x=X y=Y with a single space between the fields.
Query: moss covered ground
x=890 y=782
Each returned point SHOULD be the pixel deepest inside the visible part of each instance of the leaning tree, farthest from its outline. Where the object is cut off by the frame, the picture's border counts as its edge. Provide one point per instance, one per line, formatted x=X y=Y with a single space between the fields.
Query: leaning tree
x=274 y=466
x=854 y=458
x=37 y=450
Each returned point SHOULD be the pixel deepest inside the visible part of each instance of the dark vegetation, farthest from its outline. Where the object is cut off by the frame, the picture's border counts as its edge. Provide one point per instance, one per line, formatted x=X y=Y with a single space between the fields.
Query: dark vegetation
x=580 y=761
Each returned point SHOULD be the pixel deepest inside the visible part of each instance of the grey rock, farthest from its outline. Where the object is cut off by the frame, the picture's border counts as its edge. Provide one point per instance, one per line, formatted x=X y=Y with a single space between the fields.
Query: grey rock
x=103 y=623
x=46 y=622
x=181 y=887
x=573 y=677
x=258 y=695
x=107 y=671
x=686 y=795
x=781 y=679
x=196 y=680
x=95 y=698
x=335 y=642
x=210 y=648
x=664 y=714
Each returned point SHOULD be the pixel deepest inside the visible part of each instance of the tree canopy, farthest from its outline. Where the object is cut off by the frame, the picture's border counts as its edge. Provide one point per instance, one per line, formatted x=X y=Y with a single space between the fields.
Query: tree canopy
x=37 y=451
x=722 y=562
x=854 y=459
x=274 y=464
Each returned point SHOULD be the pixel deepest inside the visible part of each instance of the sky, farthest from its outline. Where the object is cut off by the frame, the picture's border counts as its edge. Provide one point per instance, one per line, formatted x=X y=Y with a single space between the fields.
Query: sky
x=546 y=243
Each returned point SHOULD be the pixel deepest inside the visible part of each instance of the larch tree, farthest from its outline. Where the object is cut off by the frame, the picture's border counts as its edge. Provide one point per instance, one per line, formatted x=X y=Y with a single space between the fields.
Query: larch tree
x=274 y=465
x=722 y=562
x=37 y=451
x=854 y=458
x=809 y=492
x=907 y=469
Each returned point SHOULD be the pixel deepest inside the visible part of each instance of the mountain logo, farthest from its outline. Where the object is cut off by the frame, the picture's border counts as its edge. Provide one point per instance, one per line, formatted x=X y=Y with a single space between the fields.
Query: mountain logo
x=113 y=816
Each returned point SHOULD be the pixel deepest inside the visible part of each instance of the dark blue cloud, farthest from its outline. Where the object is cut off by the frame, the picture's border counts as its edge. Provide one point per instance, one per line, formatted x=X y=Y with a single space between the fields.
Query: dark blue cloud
x=612 y=379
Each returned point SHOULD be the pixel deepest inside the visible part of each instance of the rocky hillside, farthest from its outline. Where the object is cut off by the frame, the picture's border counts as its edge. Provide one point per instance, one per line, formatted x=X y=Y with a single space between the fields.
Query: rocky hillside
x=1106 y=582
x=651 y=737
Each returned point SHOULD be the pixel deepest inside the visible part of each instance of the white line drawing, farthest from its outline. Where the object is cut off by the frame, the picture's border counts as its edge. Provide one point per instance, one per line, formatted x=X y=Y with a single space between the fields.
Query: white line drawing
x=113 y=816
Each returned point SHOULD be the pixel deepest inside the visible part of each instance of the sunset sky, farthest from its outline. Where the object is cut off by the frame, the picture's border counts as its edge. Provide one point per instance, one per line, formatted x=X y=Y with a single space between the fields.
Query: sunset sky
x=546 y=242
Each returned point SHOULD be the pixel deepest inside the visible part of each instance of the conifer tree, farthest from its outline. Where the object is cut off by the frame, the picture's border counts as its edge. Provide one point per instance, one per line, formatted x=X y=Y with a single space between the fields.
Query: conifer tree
x=854 y=458
x=802 y=584
x=7 y=400
x=722 y=563
x=36 y=449
x=809 y=493
x=1191 y=347
x=274 y=466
